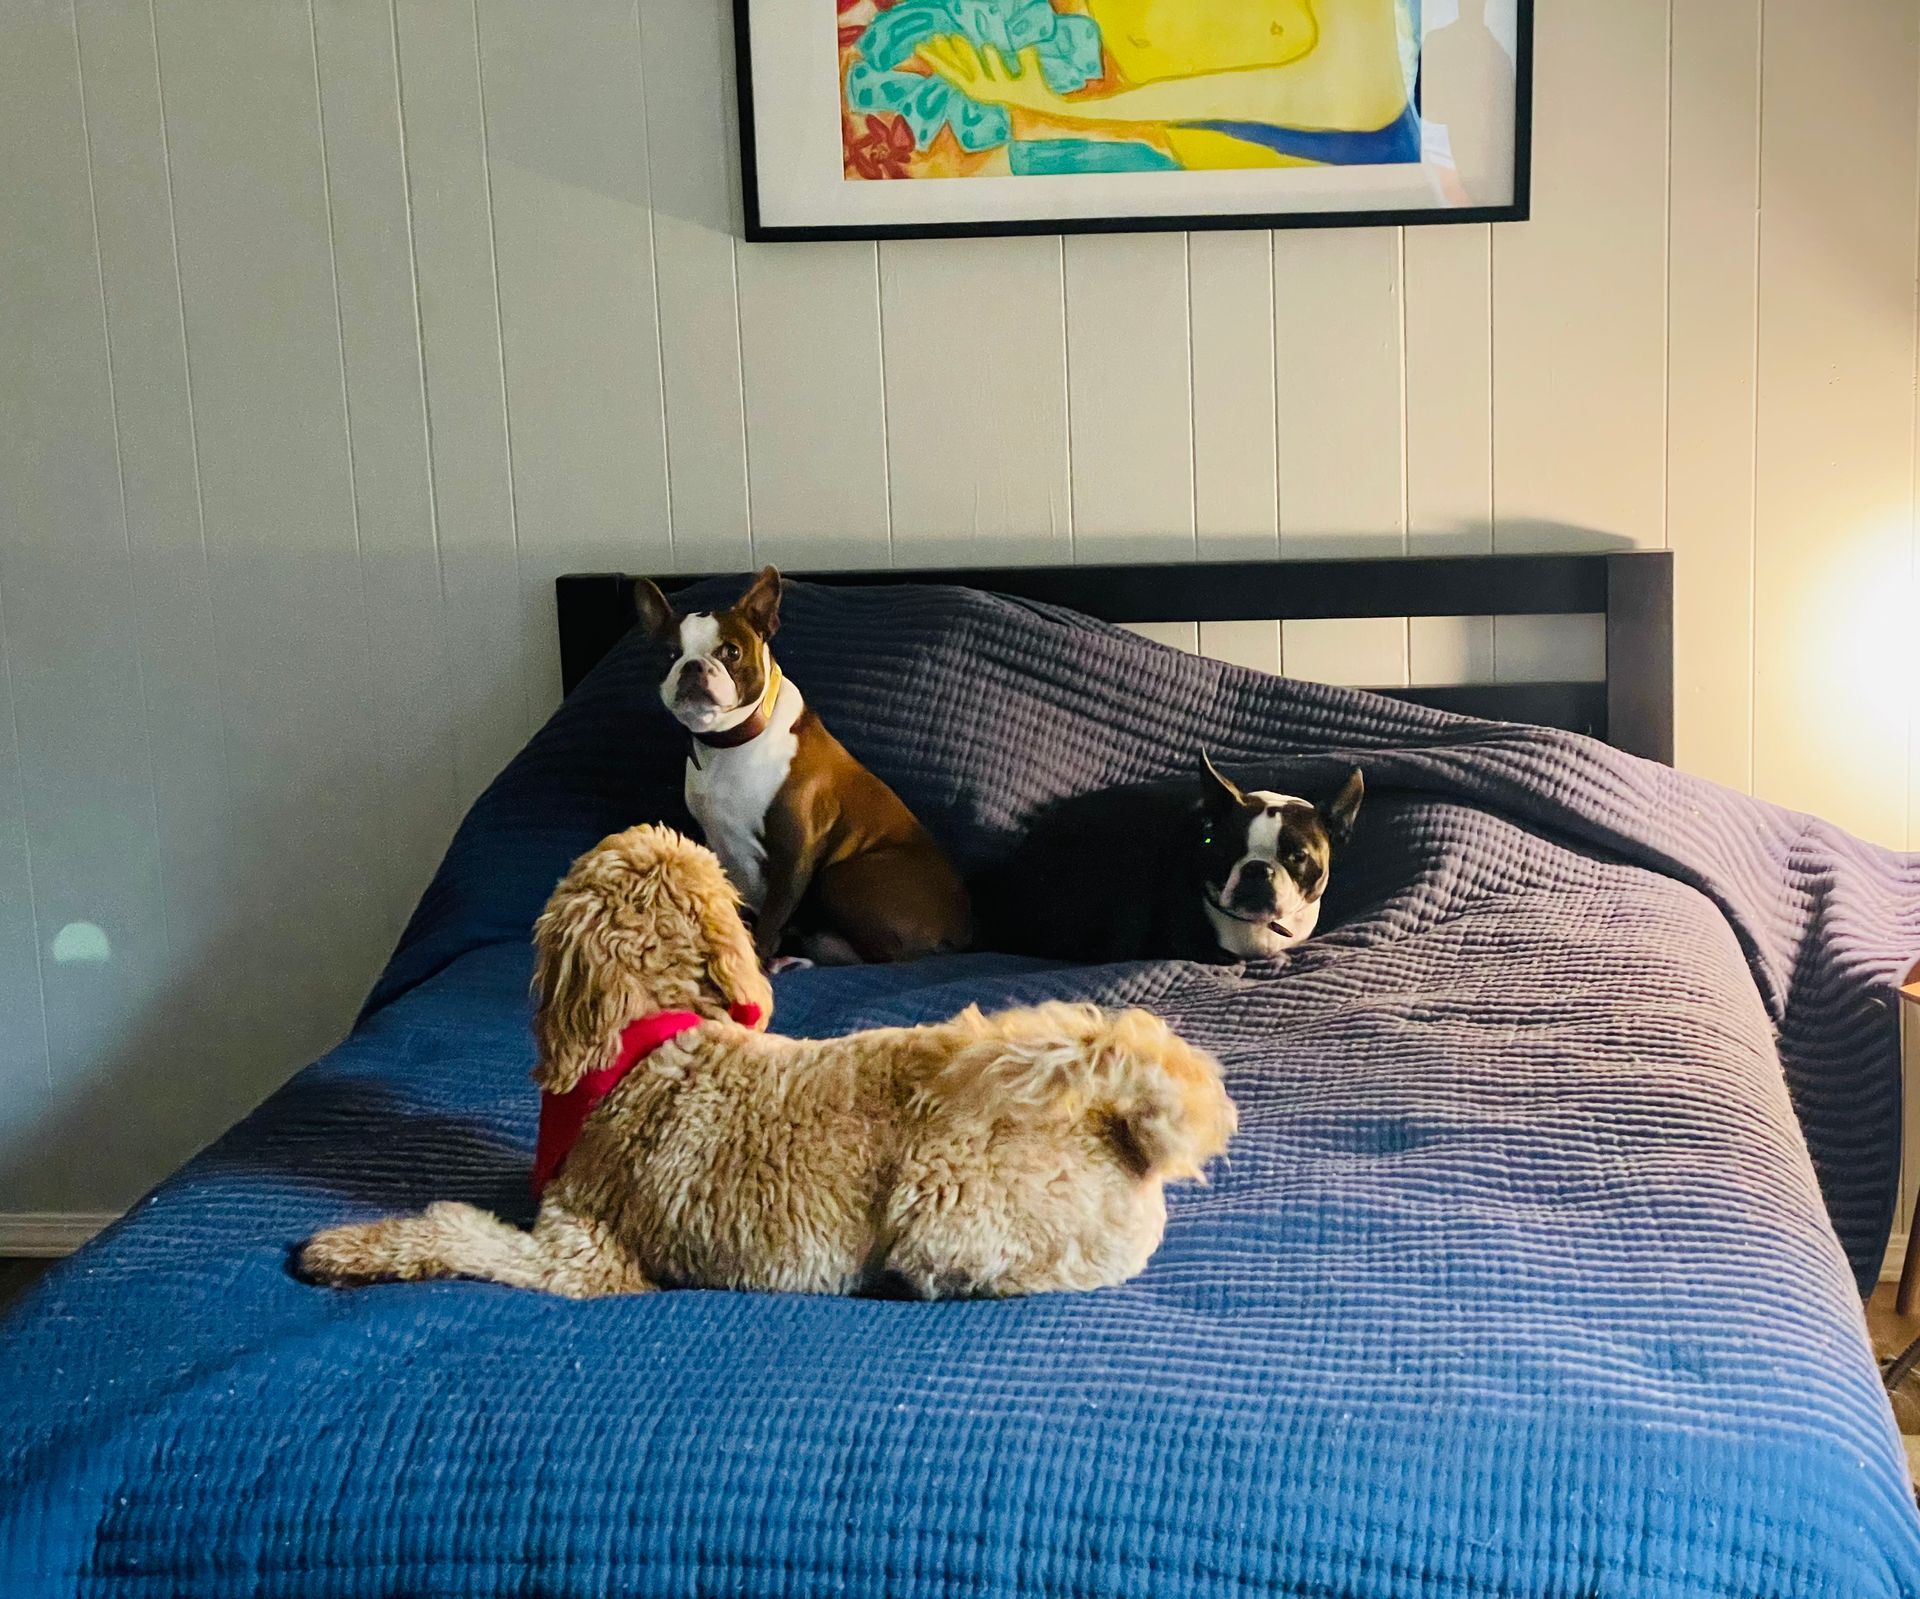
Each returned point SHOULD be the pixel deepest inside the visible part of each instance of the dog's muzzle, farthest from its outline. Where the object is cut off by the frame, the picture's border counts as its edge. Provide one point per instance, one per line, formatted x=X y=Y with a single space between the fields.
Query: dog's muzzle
x=1256 y=892
x=703 y=686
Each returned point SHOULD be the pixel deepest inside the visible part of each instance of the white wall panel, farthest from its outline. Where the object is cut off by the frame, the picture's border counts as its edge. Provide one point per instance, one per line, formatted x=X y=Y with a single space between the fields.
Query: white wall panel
x=1579 y=292
x=1338 y=332
x=1580 y=305
x=566 y=144
x=203 y=1013
x=1236 y=498
x=84 y=779
x=976 y=400
x=26 y=1080
x=1339 y=336
x=1367 y=652
x=1550 y=649
x=686 y=46
x=1175 y=635
x=1712 y=267
x=816 y=404
x=472 y=471
x=1450 y=649
x=1236 y=466
x=1129 y=398
x=1255 y=644
x=289 y=596
x=407 y=624
x=1834 y=612
x=1449 y=395
x=1449 y=375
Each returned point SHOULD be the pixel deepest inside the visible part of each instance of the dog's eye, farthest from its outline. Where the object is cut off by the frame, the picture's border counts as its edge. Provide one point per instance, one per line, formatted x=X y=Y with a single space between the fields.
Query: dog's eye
x=729 y=652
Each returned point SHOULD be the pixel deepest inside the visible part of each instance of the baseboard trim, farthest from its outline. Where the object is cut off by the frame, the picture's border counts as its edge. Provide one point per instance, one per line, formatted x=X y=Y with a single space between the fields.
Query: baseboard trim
x=47 y=1234
x=1890 y=1262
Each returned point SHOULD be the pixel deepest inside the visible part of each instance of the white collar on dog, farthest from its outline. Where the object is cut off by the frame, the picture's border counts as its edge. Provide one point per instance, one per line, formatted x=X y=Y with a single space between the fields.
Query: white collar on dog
x=1256 y=941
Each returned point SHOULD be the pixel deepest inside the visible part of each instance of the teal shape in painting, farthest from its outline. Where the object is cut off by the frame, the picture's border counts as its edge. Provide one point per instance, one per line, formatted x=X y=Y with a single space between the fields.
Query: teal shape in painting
x=1068 y=48
x=1052 y=158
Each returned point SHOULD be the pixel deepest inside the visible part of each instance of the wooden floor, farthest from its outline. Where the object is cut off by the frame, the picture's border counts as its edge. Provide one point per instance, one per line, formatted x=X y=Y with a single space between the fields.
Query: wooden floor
x=1891 y=1334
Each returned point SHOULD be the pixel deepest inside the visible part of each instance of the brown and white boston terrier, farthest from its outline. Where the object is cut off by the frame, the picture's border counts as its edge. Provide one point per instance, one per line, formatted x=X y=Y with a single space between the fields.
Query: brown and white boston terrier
x=814 y=842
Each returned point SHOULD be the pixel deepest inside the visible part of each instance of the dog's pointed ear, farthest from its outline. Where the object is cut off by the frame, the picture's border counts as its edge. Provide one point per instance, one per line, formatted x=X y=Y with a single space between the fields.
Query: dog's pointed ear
x=657 y=614
x=1344 y=808
x=1221 y=792
x=760 y=605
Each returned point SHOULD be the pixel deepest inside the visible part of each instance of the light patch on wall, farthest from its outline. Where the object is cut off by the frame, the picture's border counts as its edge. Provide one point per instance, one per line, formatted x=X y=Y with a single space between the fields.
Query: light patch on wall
x=81 y=944
x=1874 y=612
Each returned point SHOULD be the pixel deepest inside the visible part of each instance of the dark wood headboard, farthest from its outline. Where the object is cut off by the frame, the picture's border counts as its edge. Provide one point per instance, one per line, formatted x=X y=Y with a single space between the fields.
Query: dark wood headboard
x=1632 y=709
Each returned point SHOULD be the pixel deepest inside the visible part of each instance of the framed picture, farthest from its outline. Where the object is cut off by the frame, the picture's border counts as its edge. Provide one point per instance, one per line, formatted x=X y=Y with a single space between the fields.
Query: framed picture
x=941 y=118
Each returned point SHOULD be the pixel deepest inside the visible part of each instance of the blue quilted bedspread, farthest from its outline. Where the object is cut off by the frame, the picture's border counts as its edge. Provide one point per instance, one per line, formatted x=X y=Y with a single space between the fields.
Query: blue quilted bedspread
x=1519 y=1279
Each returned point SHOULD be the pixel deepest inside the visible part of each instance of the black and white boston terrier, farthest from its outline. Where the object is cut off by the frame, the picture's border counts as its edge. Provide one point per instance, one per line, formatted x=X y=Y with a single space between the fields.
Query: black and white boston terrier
x=1192 y=869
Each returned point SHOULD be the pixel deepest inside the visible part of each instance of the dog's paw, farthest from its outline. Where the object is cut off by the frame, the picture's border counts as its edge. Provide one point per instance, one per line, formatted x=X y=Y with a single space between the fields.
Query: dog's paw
x=338 y=1256
x=788 y=963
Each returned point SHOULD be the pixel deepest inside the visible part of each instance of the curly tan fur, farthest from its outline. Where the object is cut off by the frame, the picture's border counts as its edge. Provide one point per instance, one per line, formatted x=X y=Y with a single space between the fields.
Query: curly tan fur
x=645 y=921
x=982 y=1156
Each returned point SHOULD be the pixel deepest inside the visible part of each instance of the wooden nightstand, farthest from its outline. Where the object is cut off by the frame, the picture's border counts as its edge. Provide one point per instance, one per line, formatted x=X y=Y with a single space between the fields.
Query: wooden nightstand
x=1909 y=1290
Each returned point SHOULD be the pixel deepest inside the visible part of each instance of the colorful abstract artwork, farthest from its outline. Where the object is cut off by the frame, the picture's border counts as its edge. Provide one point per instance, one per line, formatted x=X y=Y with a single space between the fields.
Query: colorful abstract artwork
x=1105 y=113
x=973 y=88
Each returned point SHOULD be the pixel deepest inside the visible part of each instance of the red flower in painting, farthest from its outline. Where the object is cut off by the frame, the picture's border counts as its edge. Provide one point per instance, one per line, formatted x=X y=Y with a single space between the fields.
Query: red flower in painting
x=850 y=31
x=879 y=148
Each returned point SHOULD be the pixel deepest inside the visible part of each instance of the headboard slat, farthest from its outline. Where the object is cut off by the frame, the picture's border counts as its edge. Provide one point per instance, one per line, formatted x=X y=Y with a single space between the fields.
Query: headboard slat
x=1633 y=590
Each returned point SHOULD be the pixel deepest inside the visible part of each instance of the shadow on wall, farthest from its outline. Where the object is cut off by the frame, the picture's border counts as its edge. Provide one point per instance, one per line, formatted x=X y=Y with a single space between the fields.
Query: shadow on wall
x=199 y=1053
x=180 y=1080
x=160 y=1043
x=1517 y=536
x=1529 y=535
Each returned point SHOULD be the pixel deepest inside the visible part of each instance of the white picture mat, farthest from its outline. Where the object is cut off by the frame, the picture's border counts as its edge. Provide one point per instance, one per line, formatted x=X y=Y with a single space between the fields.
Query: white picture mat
x=802 y=183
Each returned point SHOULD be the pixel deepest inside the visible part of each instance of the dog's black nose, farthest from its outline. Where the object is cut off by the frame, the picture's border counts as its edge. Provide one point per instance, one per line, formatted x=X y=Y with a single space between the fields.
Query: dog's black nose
x=1256 y=871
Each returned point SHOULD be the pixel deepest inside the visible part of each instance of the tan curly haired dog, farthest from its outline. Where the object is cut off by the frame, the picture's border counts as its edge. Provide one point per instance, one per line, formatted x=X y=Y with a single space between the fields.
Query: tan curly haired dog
x=982 y=1156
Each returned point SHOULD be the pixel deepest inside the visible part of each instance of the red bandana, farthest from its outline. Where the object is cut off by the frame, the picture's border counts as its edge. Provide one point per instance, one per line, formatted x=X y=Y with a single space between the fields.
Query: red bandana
x=563 y=1115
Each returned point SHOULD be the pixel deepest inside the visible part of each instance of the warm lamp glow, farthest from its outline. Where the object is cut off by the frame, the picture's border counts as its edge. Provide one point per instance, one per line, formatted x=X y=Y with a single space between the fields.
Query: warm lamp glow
x=1842 y=675
x=1867 y=611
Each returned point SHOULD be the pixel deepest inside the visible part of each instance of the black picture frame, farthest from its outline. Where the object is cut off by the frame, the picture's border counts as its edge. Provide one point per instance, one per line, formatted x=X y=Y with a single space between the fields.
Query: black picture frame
x=757 y=231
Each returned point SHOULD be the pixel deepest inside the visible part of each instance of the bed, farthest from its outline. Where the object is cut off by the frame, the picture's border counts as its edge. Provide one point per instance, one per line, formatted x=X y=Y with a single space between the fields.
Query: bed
x=1567 y=1149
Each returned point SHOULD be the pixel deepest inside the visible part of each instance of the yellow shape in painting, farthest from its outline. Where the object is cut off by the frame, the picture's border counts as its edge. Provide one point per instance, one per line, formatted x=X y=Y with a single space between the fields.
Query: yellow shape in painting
x=1203 y=150
x=1154 y=39
x=1311 y=65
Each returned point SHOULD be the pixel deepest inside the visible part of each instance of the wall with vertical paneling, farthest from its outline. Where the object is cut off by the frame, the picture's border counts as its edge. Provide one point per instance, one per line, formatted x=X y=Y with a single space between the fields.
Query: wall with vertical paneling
x=331 y=330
